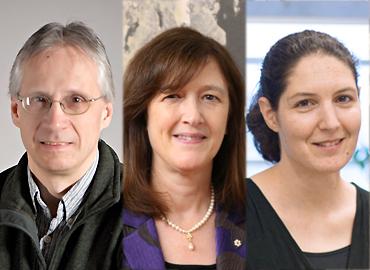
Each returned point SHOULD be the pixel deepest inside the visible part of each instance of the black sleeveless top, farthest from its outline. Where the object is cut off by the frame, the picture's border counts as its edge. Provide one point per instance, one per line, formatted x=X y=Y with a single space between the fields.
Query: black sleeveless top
x=272 y=247
x=337 y=259
x=172 y=266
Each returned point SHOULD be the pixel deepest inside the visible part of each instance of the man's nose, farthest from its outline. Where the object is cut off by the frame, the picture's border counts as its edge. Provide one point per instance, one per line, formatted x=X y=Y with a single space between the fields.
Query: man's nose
x=56 y=116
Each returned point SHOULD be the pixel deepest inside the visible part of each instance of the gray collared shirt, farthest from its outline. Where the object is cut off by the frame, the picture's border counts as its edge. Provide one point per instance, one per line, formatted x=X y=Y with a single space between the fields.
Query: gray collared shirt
x=50 y=228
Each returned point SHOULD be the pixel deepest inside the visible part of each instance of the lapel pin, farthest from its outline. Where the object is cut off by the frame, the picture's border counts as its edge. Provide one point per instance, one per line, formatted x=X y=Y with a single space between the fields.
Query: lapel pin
x=237 y=243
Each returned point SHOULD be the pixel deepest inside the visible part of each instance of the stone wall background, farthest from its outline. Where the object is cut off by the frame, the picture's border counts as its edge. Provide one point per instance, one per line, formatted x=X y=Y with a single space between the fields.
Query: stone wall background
x=223 y=20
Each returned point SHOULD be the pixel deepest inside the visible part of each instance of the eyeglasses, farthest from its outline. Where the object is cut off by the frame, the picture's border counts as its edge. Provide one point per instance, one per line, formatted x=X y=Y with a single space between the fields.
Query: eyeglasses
x=73 y=104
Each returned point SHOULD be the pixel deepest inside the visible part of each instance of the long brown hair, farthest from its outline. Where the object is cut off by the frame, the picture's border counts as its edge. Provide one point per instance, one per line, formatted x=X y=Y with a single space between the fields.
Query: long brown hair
x=170 y=60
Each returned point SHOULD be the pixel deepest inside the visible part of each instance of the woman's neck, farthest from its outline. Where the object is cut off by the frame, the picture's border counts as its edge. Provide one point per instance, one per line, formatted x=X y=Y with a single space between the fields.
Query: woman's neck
x=302 y=186
x=317 y=208
x=187 y=195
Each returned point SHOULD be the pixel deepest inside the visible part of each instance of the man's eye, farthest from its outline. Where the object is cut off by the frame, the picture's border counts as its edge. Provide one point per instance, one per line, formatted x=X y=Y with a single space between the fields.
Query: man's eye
x=77 y=99
x=39 y=99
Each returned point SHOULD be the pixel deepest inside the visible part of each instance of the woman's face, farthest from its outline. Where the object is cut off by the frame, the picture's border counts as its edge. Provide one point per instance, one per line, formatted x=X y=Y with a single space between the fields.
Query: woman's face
x=318 y=117
x=186 y=127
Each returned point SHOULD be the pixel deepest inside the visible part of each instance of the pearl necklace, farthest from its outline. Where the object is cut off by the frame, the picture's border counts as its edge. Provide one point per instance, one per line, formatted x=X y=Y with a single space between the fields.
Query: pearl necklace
x=188 y=233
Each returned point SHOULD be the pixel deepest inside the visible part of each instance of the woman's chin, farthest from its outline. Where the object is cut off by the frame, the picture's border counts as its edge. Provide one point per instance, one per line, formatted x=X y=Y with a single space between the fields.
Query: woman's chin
x=192 y=166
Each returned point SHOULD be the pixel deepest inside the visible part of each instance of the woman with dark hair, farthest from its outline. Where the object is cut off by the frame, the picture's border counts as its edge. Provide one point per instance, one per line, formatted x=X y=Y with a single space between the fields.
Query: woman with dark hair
x=184 y=156
x=305 y=118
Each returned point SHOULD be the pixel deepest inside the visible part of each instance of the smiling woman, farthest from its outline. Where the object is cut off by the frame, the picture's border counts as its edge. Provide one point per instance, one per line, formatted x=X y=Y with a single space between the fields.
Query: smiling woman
x=318 y=118
x=306 y=118
x=184 y=142
x=193 y=122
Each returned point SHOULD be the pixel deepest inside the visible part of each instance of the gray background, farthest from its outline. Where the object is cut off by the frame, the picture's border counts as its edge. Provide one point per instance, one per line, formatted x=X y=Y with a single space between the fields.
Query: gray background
x=19 y=19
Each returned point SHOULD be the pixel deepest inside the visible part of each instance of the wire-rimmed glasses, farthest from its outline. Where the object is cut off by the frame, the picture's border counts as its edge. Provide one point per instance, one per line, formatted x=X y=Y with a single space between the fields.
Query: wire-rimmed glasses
x=73 y=104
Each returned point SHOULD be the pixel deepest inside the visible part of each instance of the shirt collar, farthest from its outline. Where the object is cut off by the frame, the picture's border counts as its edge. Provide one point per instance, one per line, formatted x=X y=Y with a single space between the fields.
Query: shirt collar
x=72 y=199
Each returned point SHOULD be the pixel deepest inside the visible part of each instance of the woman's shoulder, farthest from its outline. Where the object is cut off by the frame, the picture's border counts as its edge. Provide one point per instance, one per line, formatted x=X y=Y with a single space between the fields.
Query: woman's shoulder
x=133 y=220
x=361 y=190
x=251 y=185
x=259 y=182
x=362 y=196
x=263 y=177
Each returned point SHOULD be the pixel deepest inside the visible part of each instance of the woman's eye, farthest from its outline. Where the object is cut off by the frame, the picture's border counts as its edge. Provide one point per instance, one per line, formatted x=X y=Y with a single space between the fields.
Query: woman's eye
x=171 y=97
x=210 y=97
x=344 y=99
x=304 y=103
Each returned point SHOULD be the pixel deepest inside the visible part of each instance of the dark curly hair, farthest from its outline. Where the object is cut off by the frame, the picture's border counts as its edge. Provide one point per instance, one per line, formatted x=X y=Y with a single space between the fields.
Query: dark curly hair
x=276 y=68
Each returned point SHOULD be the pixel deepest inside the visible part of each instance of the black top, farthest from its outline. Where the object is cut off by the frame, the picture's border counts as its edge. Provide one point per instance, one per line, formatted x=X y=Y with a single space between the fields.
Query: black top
x=171 y=266
x=337 y=259
x=272 y=247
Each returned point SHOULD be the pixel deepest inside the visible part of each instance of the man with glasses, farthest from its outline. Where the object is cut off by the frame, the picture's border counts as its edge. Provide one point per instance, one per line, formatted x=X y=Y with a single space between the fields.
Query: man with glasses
x=60 y=206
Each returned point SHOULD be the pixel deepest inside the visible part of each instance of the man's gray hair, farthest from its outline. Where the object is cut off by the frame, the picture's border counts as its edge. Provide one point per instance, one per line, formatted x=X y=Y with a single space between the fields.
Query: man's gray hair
x=75 y=34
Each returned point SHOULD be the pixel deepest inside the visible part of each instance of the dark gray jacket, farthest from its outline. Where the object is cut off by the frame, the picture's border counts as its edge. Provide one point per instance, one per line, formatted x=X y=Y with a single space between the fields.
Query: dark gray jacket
x=94 y=240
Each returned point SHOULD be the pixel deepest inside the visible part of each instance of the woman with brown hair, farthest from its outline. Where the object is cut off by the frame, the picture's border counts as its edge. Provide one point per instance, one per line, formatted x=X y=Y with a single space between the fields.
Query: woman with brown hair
x=184 y=156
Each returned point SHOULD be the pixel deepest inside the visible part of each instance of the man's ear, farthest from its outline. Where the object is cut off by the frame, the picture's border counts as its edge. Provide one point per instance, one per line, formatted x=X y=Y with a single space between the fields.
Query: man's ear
x=107 y=114
x=15 y=107
x=268 y=114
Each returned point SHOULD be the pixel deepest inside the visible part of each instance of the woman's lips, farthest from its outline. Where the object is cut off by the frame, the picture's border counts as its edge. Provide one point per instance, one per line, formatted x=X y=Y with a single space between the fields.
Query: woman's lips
x=329 y=143
x=190 y=138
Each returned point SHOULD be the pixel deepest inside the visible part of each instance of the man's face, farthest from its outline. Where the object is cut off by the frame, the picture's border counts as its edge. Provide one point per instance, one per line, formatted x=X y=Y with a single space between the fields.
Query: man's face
x=58 y=143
